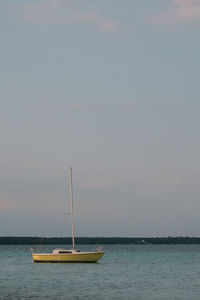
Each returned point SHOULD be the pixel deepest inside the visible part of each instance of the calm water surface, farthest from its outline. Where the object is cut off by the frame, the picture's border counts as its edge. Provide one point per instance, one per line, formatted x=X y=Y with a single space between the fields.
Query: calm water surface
x=125 y=272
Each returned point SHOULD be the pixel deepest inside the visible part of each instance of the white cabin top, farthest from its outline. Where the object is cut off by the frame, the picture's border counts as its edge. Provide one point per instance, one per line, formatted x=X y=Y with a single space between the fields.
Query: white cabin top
x=74 y=251
x=65 y=251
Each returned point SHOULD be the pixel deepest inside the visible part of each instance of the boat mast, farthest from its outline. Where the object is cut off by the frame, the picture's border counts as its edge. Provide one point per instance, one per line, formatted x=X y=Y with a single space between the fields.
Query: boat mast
x=71 y=201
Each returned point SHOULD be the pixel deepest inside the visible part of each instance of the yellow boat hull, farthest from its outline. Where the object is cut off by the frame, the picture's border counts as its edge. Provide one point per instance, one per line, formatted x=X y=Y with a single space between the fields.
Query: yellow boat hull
x=87 y=257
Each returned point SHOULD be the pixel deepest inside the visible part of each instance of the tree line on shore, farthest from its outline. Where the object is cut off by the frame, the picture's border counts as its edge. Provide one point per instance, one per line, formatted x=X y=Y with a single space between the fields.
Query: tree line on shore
x=11 y=240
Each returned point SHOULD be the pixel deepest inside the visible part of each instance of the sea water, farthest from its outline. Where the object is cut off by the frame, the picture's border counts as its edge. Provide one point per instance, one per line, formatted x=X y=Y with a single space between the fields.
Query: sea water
x=124 y=272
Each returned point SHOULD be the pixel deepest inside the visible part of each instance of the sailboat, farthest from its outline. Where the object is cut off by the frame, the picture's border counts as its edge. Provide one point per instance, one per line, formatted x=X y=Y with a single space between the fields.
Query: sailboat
x=69 y=255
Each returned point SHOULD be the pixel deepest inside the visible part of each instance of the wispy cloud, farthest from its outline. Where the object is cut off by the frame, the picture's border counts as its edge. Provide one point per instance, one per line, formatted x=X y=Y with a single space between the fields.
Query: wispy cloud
x=188 y=9
x=75 y=106
x=100 y=107
x=62 y=12
x=59 y=105
x=177 y=182
x=109 y=25
x=178 y=11
x=130 y=103
x=6 y=204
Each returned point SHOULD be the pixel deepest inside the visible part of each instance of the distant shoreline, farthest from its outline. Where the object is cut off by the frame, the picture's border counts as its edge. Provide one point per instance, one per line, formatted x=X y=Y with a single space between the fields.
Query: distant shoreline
x=11 y=240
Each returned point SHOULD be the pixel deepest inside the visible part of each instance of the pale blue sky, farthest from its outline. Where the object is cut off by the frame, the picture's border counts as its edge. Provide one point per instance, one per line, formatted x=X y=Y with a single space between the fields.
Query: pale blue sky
x=110 y=88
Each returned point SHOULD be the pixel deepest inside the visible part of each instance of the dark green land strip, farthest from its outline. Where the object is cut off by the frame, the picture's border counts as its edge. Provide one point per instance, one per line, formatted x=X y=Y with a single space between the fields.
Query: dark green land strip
x=9 y=240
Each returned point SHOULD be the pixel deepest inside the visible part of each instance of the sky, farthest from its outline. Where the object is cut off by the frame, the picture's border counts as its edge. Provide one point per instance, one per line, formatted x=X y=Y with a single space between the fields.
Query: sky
x=111 y=89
